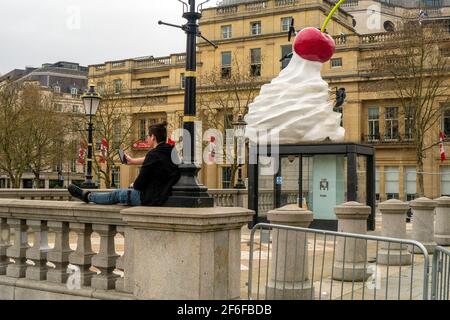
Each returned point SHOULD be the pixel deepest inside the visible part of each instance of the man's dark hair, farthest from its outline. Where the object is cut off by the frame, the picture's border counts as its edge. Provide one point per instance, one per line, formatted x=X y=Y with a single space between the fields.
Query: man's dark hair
x=159 y=131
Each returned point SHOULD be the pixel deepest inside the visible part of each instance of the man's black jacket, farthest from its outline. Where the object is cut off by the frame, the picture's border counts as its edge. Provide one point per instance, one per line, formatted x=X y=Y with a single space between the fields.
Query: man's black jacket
x=157 y=176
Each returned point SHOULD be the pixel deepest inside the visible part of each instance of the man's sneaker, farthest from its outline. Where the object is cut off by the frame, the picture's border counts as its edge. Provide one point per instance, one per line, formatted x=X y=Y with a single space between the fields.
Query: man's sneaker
x=78 y=193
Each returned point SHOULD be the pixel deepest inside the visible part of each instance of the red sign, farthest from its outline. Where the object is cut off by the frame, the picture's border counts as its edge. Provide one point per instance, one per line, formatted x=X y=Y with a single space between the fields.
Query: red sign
x=141 y=145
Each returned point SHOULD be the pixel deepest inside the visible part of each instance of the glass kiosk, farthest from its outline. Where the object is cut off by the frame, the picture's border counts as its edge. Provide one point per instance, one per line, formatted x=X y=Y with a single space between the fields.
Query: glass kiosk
x=314 y=176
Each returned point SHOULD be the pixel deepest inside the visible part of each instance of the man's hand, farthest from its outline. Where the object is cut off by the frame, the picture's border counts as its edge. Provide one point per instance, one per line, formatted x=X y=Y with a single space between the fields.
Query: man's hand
x=133 y=161
x=132 y=186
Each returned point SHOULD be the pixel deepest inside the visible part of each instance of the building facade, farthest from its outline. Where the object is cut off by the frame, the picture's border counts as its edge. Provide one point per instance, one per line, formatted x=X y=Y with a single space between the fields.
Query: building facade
x=254 y=33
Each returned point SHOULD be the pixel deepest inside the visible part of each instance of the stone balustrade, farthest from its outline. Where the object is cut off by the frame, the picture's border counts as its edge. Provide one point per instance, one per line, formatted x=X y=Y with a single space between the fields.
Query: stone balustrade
x=51 y=254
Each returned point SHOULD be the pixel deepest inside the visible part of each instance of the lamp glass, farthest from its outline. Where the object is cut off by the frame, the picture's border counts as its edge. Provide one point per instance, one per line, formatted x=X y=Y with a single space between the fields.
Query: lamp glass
x=91 y=105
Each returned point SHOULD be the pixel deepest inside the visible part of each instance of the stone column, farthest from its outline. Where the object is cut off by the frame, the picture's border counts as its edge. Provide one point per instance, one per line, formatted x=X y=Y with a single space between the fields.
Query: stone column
x=59 y=255
x=351 y=253
x=82 y=256
x=120 y=264
x=4 y=245
x=18 y=250
x=394 y=226
x=288 y=278
x=423 y=223
x=106 y=258
x=186 y=253
x=442 y=226
x=38 y=253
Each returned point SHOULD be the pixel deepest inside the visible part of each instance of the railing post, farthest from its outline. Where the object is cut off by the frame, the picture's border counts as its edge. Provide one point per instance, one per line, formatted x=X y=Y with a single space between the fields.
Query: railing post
x=350 y=262
x=59 y=255
x=423 y=223
x=286 y=282
x=394 y=226
x=82 y=256
x=120 y=264
x=18 y=250
x=106 y=258
x=442 y=232
x=38 y=253
x=4 y=245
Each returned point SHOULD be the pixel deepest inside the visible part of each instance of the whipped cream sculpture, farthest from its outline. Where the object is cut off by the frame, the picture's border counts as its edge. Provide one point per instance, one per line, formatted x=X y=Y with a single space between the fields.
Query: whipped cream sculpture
x=296 y=104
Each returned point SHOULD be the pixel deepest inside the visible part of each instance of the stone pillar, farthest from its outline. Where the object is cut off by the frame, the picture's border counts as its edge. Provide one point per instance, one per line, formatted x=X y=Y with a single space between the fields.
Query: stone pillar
x=38 y=253
x=393 y=226
x=82 y=256
x=59 y=255
x=186 y=253
x=120 y=264
x=442 y=226
x=288 y=278
x=423 y=223
x=106 y=258
x=351 y=254
x=18 y=250
x=4 y=245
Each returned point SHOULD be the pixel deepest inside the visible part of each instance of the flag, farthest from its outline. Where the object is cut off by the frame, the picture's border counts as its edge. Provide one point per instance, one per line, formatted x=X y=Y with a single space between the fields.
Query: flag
x=104 y=150
x=82 y=152
x=171 y=142
x=441 y=146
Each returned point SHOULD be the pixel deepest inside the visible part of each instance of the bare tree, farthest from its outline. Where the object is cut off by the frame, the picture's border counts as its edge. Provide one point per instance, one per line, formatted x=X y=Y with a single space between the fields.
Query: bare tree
x=416 y=71
x=224 y=93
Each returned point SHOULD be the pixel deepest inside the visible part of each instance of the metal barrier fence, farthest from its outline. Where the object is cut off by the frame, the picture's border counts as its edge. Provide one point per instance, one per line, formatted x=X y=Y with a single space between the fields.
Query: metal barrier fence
x=440 y=285
x=343 y=266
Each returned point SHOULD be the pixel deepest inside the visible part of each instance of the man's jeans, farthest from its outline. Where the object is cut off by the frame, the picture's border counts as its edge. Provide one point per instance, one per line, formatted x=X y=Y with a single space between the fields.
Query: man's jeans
x=129 y=197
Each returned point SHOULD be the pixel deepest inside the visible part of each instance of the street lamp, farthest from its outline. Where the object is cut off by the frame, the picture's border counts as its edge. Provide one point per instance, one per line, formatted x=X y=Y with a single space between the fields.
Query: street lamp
x=91 y=101
x=239 y=133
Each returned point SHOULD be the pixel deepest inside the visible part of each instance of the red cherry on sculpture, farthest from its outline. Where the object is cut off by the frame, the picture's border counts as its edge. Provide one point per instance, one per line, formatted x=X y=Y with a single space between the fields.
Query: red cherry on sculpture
x=313 y=45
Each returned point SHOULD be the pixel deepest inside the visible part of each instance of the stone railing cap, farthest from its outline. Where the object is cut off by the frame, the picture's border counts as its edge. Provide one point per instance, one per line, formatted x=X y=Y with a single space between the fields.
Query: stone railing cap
x=423 y=203
x=394 y=205
x=290 y=213
x=443 y=201
x=352 y=210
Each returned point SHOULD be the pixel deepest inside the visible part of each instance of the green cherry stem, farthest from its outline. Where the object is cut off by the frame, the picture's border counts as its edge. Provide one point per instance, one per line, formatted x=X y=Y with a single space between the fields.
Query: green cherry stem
x=331 y=15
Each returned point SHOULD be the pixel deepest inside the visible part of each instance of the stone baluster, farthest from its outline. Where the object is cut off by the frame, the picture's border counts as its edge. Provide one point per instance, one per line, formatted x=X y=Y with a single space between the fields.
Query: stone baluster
x=18 y=251
x=442 y=232
x=394 y=226
x=288 y=279
x=38 y=252
x=82 y=256
x=351 y=254
x=423 y=223
x=59 y=255
x=105 y=260
x=4 y=245
x=120 y=264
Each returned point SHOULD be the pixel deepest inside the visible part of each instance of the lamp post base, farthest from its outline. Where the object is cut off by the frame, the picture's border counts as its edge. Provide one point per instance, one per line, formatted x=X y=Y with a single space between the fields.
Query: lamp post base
x=188 y=192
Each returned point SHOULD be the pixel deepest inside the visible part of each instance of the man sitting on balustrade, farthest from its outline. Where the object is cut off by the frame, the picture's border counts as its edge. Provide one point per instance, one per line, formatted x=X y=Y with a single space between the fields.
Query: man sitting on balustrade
x=157 y=176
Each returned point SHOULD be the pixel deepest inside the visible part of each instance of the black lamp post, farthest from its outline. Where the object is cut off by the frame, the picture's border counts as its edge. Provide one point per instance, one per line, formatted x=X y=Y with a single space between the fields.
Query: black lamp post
x=91 y=101
x=239 y=133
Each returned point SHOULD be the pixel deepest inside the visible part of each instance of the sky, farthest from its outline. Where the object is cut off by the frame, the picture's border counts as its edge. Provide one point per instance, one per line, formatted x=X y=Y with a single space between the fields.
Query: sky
x=33 y=32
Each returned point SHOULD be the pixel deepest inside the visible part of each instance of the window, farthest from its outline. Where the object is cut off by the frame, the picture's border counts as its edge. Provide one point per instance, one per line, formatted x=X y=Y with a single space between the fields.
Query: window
x=150 y=81
x=286 y=23
x=374 y=124
x=445 y=52
x=226 y=65
x=142 y=129
x=285 y=50
x=226 y=32
x=57 y=89
x=410 y=183
x=255 y=28
x=75 y=109
x=391 y=178
x=445 y=180
x=117 y=86
x=446 y=121
x=377 y=183
x=391 y=124
x=101 y=88
x=117 y=133
x=336 y=63
x=226 y=178
x=59 y=107
x=182 y=81
x=74 y=92
x=409 y=123
x=255 y=62
x=116 y=176
x=73 y=166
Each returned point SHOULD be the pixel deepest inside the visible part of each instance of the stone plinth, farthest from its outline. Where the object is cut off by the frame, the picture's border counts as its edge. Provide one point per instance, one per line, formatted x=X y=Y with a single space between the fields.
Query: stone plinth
x=442 y=226
x=423 y=223
x=288 y=278
x=186 y=253
x=394 y=214
x=351 y=254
